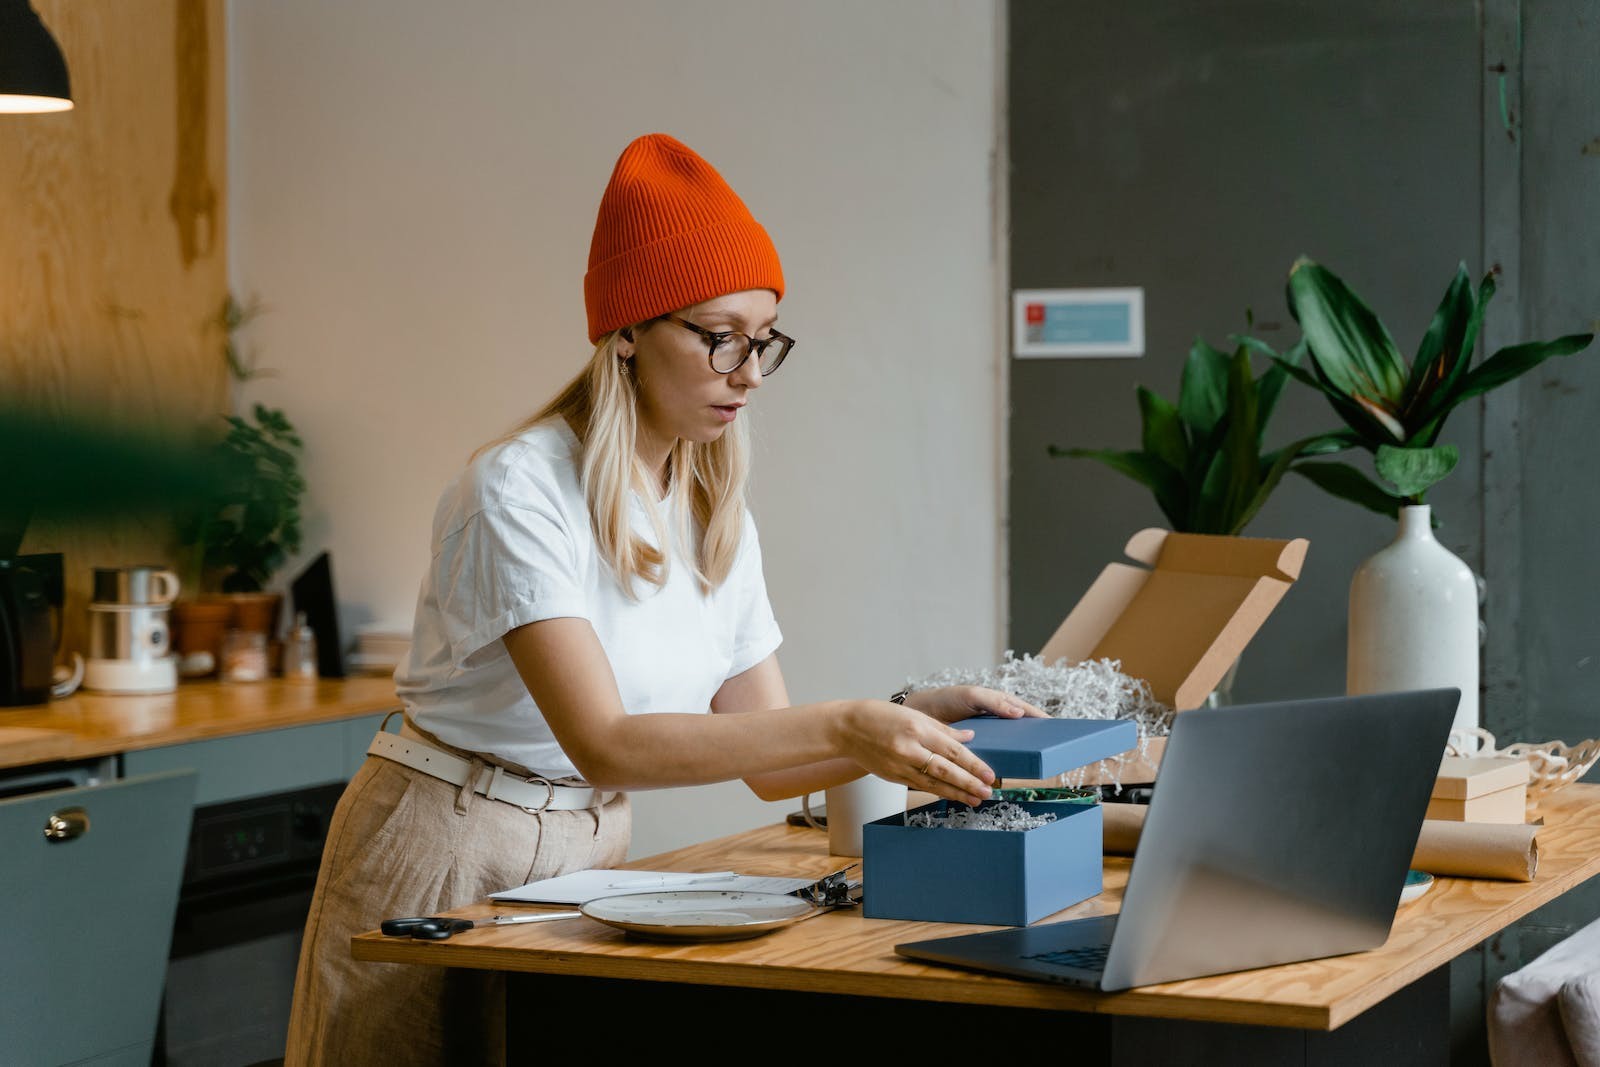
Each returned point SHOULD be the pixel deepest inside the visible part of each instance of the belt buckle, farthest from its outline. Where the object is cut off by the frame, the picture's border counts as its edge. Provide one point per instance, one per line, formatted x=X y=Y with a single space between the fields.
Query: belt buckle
x=549 y=798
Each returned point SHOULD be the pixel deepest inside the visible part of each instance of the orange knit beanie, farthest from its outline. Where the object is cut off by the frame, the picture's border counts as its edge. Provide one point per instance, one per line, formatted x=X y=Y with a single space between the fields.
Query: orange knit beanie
x=670 y=233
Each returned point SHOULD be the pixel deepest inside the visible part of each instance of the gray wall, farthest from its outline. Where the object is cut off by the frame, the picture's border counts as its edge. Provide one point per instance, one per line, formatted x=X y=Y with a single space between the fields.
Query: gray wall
x=1559 y=404
x=1543 y=496
x=1196 y=151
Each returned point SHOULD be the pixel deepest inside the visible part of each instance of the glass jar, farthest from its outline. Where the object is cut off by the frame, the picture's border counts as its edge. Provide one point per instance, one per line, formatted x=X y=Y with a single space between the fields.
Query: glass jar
x=300 y=651
x=244 y=656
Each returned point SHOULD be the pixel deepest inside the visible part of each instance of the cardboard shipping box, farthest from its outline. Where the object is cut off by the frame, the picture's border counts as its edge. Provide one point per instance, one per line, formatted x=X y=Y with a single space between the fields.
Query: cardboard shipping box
x=1480 y=789
x=1177 y=618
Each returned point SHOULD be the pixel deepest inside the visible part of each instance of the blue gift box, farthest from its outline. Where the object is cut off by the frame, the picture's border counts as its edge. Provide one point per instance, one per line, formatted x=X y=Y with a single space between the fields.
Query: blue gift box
x=997 y=877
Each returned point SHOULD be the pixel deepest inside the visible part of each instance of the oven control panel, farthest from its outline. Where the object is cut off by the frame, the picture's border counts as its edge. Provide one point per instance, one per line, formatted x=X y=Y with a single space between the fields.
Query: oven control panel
x=260 y=832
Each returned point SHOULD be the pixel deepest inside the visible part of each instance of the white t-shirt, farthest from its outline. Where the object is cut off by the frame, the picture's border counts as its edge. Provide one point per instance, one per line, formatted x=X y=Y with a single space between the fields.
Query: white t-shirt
x=512 y=544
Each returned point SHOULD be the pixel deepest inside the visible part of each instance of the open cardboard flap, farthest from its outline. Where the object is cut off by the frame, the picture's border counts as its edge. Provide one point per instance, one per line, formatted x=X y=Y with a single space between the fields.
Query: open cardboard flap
x=1178 y=622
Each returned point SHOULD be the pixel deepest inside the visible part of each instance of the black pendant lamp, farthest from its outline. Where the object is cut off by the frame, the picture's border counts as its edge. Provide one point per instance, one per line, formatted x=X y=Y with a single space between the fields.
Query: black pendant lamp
x=33 y=76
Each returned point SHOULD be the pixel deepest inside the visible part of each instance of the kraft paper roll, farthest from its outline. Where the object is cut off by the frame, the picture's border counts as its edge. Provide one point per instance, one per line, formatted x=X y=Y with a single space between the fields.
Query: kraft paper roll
x=1454 y=849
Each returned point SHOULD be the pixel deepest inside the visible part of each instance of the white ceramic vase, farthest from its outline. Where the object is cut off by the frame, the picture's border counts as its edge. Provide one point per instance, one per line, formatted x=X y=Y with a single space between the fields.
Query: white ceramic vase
x=1414 y=619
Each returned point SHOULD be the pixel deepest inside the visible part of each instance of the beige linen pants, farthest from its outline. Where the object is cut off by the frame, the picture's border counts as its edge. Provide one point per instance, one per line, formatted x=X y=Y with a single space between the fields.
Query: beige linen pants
x=404 y=843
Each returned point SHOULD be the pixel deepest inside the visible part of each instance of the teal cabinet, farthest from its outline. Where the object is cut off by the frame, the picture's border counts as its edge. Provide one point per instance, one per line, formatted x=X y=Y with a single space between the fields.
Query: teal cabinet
x=270 y=761
x=90 y=878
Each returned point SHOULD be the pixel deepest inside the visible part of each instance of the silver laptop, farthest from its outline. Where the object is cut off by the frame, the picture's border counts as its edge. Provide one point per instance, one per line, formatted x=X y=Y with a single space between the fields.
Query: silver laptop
x=1276 y=832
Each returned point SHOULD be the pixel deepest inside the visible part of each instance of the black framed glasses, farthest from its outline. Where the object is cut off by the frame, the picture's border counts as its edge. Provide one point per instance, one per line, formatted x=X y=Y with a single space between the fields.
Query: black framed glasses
x=728 y=349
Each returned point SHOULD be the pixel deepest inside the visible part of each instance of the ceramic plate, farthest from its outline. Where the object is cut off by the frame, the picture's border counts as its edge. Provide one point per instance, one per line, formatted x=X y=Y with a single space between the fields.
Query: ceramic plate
x=698 y=914
x=1417 y=883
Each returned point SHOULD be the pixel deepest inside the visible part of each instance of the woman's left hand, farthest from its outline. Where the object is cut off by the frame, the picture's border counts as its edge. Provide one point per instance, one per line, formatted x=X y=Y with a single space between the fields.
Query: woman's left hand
x=952 y=703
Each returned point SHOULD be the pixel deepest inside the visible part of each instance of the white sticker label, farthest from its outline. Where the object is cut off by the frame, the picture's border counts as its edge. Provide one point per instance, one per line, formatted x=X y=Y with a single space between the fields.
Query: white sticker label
x=1056 y=323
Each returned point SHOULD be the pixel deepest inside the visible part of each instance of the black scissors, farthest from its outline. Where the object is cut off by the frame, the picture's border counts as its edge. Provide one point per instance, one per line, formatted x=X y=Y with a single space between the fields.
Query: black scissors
x=441 y=927
x=837 y=890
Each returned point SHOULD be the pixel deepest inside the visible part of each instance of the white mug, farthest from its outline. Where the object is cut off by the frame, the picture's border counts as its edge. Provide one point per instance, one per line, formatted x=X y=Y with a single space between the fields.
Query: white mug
x=854 y=804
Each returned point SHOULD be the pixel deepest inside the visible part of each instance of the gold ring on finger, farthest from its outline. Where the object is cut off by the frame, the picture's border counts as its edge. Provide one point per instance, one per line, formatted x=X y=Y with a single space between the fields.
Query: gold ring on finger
x=931 y=757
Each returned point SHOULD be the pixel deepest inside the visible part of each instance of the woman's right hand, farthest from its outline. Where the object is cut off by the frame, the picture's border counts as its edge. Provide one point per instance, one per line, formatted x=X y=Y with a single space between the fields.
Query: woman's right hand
x=902 y=744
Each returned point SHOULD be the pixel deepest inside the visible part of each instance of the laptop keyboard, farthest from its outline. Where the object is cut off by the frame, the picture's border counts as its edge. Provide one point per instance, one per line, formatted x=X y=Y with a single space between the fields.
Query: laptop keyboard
x=1083 y=958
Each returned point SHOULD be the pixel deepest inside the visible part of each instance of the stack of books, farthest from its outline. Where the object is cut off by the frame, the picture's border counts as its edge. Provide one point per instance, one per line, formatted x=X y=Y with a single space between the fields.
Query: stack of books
x=380 y=649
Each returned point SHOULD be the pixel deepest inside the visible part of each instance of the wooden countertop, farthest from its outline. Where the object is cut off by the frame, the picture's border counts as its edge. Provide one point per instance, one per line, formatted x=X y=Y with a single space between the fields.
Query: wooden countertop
x=841 y=952
x=88 y=725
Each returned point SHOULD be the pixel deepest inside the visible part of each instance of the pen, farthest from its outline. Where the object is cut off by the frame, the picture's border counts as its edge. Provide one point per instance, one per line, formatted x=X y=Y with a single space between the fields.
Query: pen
x=540 y=917
x=658 y=883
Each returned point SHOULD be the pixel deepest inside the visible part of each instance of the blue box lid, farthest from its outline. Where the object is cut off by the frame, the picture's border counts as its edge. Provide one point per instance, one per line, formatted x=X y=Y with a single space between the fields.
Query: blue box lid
x=1043 y=748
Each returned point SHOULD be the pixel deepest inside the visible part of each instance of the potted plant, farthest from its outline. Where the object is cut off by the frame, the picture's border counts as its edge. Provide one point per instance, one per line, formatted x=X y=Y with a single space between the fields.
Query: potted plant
x=1203 y=458
x=1413 y=605
x=249 y=529
x=1396 y=412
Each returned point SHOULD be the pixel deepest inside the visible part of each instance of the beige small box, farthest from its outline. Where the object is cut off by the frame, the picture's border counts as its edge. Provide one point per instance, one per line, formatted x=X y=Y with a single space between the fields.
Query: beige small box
x=1480 y=789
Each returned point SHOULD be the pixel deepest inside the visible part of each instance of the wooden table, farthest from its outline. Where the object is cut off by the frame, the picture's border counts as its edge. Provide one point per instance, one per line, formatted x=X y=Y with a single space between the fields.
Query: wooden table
x=826 y=975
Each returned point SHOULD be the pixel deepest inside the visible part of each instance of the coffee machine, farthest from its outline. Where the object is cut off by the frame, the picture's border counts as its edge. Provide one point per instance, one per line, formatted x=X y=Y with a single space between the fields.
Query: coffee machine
x=31 y=591
x=130 y=642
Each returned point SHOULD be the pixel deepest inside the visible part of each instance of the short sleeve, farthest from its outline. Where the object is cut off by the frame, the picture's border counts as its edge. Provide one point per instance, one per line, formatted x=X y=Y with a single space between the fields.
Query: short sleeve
x=511 y=562
x=756 y=633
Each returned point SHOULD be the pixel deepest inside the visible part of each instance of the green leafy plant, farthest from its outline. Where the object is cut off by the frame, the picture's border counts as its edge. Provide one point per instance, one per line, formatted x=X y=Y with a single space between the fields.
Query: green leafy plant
x=1394 y=411
x=230 y=320
x=1203 y=458
x=249 y=528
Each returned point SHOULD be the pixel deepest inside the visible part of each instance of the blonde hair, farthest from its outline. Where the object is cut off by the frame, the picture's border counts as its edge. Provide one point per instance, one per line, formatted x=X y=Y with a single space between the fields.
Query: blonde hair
x=601 y=405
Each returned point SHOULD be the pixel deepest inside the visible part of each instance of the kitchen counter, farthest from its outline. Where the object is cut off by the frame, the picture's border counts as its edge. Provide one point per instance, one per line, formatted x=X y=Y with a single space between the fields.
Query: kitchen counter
x=91 y=725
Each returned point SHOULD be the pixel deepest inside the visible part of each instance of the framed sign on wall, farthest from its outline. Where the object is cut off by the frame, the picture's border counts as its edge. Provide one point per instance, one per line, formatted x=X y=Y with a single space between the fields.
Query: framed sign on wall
x=1066 y=323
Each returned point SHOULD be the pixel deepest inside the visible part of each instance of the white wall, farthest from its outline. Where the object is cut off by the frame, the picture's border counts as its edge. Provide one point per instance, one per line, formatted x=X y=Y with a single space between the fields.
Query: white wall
x=413 y=188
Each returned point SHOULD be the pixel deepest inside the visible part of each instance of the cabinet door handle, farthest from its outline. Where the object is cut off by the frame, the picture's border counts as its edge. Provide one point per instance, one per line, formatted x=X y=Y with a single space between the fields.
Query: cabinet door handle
x=66 y=824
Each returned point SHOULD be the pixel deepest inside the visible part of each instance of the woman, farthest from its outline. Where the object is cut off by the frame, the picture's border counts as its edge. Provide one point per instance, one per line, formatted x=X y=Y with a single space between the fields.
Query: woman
x=595 y=588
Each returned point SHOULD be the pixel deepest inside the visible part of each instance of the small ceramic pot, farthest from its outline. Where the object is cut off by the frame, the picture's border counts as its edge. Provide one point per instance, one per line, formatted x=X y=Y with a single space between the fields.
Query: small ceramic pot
x=256 y=613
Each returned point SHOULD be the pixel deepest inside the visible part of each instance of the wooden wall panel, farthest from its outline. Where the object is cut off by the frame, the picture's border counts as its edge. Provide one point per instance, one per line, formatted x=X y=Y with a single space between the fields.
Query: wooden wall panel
x=113 y=257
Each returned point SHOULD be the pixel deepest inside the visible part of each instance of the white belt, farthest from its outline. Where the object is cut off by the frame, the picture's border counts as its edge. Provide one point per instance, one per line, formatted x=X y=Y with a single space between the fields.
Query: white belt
x=531 y=795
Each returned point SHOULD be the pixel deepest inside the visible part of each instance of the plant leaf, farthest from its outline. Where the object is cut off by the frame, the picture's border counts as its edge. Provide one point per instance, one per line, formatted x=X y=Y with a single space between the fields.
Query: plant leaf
x=1442 y=347
x=1205 y=508
x=1241 y=445
x=1371 y=432
x=1509 y=363
x=1347 y=483
x=1278 y=464
x=1378 y=414
x=1163 y=429
x=1347 y=341
x=1270 y=385
x=1203 y=390
x=1321 y=444
x=80 y=466
x=1414 y=471
x=1427 y=423
x=1300 y=374
x=1203 y=451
